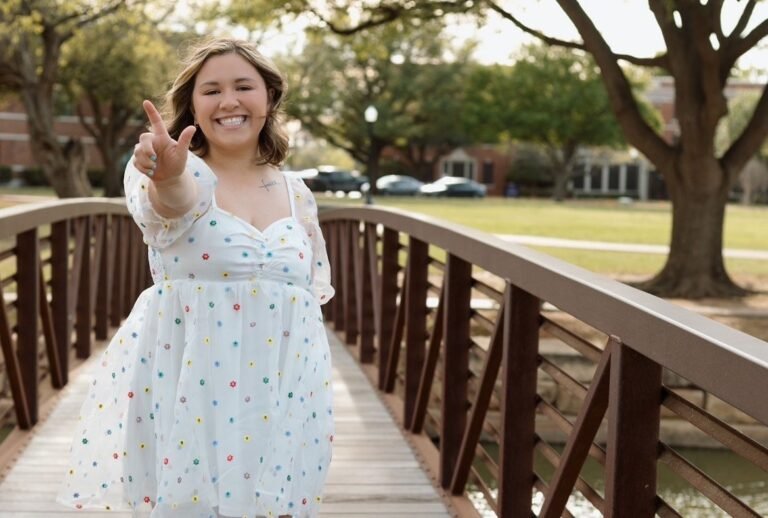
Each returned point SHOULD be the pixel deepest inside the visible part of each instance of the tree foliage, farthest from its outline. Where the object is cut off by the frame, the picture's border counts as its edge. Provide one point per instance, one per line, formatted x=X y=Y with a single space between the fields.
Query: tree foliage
x=701 y=55
x=106 y=78
x=336 y=78
x=32 y=36
x=556 y=99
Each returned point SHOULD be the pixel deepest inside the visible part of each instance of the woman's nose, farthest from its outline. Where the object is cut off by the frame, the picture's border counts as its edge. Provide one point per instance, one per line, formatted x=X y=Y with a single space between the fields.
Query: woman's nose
x=229 y=99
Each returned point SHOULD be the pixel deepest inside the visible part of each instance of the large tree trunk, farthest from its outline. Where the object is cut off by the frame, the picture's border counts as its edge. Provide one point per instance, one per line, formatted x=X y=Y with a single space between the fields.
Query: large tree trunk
x=694 y=267
x=113 y=184
x=560 y=189
x=65 y=169
x=561 y=158
x=63 y=163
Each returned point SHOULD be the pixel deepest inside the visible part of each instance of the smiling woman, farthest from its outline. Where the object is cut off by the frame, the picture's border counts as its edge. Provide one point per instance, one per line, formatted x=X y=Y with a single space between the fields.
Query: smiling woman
x=229 y=345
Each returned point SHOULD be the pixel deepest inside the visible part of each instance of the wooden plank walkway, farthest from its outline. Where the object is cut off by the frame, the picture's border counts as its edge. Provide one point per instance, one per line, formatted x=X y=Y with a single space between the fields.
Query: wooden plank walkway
x=374 y=472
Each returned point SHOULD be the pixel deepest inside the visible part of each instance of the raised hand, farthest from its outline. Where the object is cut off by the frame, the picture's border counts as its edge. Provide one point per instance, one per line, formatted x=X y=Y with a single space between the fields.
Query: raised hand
x=157 y=155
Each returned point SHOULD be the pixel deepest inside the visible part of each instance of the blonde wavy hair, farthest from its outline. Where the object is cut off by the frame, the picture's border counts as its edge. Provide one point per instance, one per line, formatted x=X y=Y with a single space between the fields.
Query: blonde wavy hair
x=177 y=106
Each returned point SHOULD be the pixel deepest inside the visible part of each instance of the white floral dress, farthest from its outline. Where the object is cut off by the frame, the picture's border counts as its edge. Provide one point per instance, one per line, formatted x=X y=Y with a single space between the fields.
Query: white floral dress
x=215 y=394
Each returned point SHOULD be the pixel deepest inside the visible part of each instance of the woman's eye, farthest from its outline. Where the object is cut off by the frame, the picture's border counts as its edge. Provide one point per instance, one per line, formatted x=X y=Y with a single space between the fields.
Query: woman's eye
x=210 y=92
x=245 y=87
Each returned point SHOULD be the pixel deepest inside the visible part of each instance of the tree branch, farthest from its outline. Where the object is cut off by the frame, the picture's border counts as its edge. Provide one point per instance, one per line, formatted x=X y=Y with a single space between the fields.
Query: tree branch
x=382 y=14
x=90 y=128
x=746 y=14
x=740 y=46
x=750 y=140
x=657 y=61
x=636 y=129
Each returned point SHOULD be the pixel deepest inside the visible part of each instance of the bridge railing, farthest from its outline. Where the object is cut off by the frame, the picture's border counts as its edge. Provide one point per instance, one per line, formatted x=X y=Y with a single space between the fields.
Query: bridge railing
x=512 y=370
x=69 y=270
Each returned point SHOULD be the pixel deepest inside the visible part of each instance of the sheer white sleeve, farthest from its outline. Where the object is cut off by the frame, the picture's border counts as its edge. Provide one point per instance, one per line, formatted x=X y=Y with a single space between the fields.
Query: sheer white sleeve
x=306 y=213
x=158 y=231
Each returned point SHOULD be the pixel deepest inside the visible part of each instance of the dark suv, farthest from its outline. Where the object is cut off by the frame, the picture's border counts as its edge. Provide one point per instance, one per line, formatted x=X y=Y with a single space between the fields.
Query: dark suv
x=333 y=179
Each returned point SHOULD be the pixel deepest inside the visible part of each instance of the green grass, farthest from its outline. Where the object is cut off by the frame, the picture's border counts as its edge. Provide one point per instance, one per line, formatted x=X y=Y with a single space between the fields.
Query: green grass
x=593 y=220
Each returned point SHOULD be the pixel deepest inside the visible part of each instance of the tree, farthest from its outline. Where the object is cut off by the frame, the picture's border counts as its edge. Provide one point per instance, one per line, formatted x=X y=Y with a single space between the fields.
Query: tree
x=335 y=79
x=701 y=56
x=107 y=78
x=753 y=180
x=556 y=98
x=32 y=35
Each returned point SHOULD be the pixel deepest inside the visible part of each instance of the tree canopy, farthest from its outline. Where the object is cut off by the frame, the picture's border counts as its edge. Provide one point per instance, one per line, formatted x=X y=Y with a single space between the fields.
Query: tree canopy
x=701 y=54
x=106 y=80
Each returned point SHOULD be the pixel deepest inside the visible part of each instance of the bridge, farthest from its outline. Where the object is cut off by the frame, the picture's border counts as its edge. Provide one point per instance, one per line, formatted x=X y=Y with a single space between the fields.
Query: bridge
x=473 y=377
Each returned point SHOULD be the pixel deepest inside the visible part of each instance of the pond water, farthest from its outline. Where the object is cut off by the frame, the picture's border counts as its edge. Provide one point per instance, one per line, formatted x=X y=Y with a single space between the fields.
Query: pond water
x=741 y=478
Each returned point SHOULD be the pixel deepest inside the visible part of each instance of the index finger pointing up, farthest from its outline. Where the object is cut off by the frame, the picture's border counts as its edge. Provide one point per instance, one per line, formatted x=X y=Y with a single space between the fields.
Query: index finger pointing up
x=158 y=126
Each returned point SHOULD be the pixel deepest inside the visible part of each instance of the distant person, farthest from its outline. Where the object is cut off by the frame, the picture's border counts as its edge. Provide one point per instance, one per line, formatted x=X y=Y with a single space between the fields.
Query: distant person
x=512 y=191
x=214 y=397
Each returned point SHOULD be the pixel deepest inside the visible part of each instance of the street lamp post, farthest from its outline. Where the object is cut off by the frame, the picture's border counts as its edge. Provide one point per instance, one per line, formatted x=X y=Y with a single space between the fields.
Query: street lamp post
x=371 y=115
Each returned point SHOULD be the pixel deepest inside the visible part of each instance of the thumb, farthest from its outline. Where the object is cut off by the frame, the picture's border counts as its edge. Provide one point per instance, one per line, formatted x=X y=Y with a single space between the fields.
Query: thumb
x=185 y=138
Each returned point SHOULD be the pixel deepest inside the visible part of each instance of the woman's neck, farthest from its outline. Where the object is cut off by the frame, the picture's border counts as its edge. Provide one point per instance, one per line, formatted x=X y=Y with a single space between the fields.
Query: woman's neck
x=235 y=164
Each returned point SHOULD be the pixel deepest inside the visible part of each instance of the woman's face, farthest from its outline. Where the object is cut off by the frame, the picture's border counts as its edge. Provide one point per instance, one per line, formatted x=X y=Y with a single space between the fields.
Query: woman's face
x=230 y=103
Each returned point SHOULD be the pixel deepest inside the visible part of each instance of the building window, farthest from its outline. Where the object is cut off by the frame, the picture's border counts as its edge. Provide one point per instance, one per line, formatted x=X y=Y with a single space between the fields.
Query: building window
x=457 y=168
x=463 y=168
x=613 y=177
x=487 y=171
x=633 y=184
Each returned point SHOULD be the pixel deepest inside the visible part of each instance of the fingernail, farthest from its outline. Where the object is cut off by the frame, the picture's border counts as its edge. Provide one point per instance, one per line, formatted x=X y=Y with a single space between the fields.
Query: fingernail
x=153 y=158
x=154 y=166
x=150 y=173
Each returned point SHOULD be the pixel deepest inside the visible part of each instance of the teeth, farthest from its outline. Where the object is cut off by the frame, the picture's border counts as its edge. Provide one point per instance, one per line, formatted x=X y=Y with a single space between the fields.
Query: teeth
x=232 y=121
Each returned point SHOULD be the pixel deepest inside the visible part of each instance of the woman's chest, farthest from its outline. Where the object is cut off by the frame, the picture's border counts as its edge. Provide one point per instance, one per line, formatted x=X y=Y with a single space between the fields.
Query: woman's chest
x=220 y=246
x=257 y=205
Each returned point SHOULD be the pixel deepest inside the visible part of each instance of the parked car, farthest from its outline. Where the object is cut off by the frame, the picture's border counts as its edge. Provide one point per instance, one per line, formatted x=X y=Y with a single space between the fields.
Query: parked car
x=398 y=185
x=454 y=186
x=326 y=178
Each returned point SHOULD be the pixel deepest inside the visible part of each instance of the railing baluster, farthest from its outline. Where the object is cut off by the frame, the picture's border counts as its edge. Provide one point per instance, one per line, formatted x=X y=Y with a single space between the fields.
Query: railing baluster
x=138 y=260
x=633 y=434
x=350 y=237
x=453 y=422
x=13 y=370
x=337 y=232
x=428 y=372
x=84 y=308
x=120 y=243
x=51 y=349
x=480 y=408
x=518 y=406
x=27 y=294
x=388 y=298
x=581 y=438
x=60 y=296
x=105 y=244
x=366 y=283
x=415 y=321
x=395 y=344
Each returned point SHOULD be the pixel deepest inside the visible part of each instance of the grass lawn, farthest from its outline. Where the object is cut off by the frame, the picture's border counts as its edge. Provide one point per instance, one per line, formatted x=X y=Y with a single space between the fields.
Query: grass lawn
x=593 y=220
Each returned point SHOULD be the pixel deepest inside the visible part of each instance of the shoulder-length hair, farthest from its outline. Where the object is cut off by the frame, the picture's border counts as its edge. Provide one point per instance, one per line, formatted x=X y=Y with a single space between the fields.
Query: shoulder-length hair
x=177 y=108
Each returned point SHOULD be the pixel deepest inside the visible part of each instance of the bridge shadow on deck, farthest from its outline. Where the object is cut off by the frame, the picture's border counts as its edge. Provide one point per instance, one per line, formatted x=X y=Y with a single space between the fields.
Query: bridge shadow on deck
x=374 y=472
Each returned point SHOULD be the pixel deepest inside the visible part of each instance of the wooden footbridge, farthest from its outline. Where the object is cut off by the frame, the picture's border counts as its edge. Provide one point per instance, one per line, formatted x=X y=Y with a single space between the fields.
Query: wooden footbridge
x=473 y=377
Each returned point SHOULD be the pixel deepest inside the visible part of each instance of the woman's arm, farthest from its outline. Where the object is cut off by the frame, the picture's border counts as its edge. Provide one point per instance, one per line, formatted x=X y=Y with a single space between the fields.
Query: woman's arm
x=173 y=197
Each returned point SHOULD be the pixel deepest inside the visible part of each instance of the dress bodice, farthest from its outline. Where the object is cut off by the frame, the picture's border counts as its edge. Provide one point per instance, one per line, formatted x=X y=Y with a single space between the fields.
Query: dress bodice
x=211 y=244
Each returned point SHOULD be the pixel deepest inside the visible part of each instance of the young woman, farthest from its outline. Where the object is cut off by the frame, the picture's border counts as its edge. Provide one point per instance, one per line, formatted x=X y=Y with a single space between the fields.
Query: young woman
x=214 y=397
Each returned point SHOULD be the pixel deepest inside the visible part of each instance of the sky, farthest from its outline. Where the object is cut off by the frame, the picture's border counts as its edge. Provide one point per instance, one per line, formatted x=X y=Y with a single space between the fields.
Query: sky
x=627 y=25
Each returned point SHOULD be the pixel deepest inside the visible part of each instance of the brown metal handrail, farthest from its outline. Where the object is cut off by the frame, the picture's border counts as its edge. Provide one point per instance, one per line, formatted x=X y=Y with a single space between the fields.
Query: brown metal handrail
x=79 y=265
x=421 y=360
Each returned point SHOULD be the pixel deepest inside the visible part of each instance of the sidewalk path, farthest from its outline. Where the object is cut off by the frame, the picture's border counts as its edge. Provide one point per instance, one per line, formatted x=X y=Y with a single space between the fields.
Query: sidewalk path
x=619 y=247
